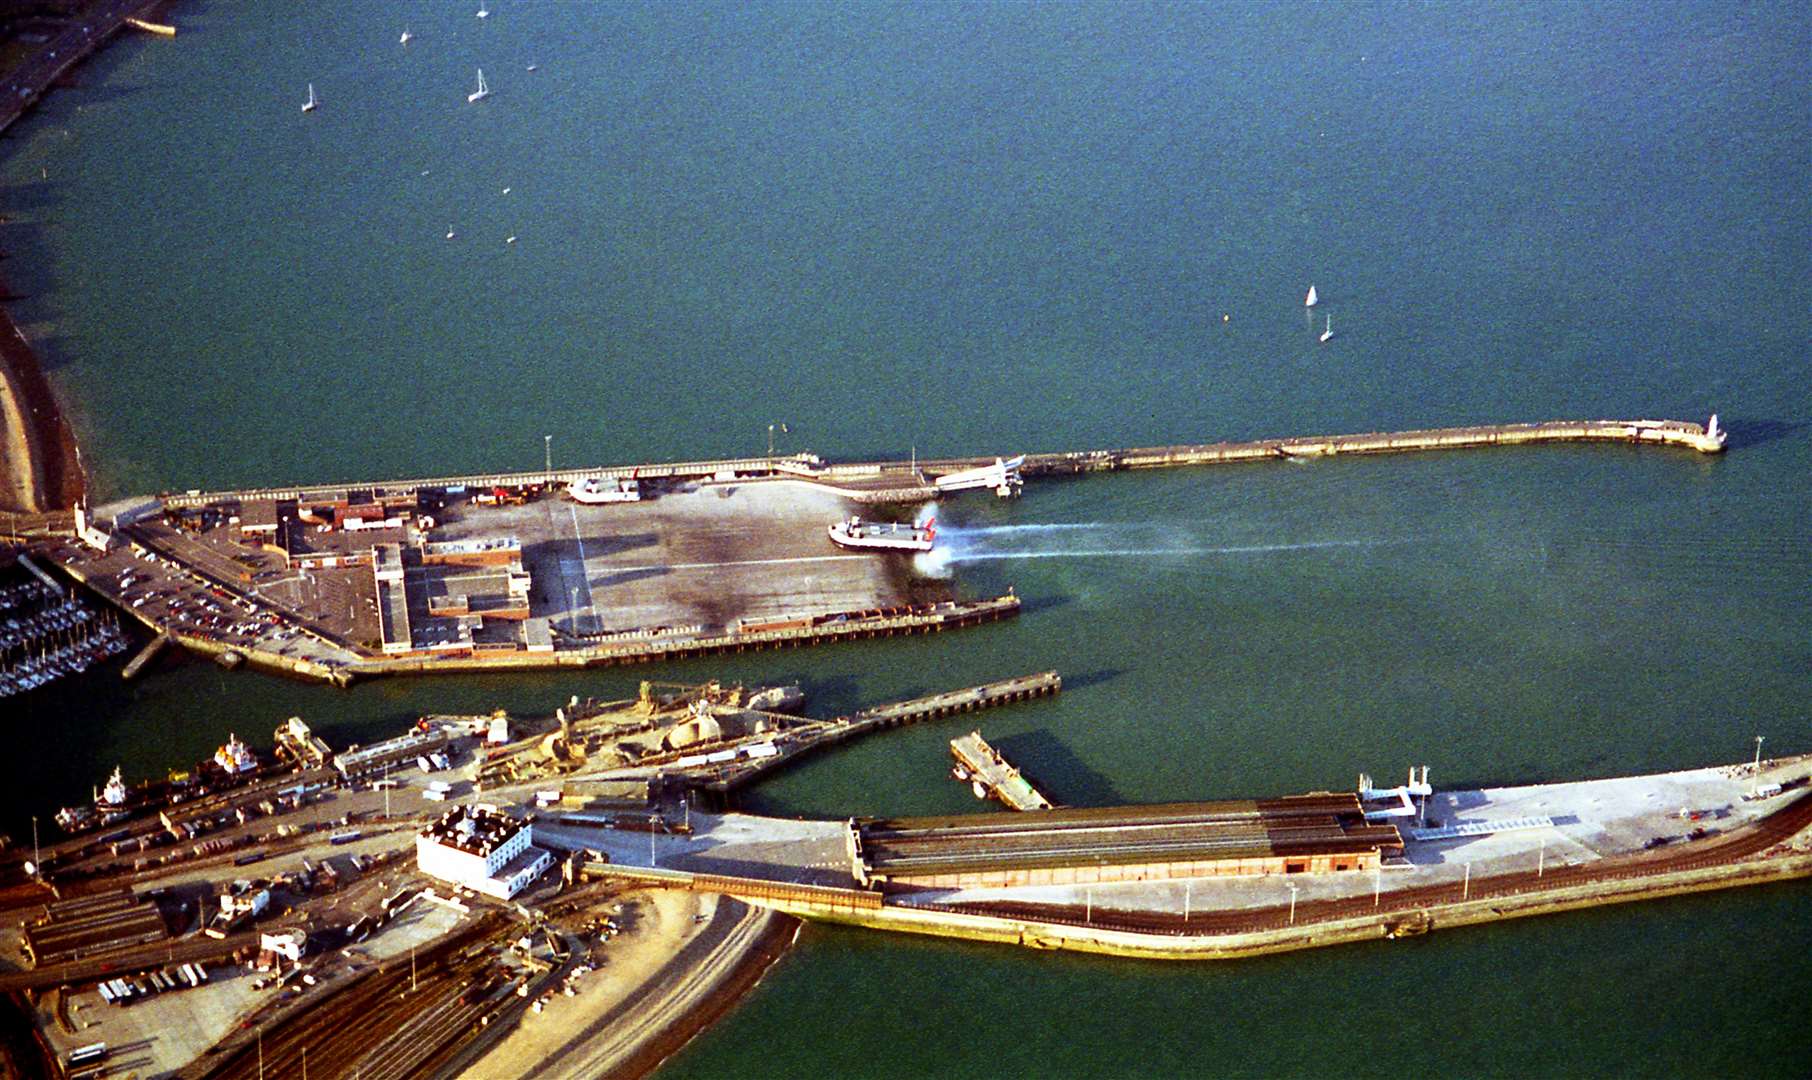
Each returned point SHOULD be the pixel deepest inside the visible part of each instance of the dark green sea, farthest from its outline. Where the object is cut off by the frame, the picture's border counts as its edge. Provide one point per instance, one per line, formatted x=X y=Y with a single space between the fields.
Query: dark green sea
x=963 y=228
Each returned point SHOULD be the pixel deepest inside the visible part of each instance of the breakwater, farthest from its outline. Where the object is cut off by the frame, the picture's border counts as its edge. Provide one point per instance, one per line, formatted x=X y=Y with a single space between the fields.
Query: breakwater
x=905 y=481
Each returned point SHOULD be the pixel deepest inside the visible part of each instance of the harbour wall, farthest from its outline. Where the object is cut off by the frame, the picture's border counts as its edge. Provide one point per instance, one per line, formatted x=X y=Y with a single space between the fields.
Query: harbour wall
x=865 y=908
x=1038 y=934
x=899 y=481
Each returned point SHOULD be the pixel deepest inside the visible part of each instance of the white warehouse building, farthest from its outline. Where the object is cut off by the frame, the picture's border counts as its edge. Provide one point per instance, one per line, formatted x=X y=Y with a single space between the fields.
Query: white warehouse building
x=481 y=848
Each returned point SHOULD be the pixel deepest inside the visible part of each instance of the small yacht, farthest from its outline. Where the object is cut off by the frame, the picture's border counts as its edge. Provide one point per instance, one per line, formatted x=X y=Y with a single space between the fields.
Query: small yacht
x=449 y=232
x=482 y=92
x=1311 y=300
x=405 y=39
x=1328 y=330
x=309 y=105
x=483 y=12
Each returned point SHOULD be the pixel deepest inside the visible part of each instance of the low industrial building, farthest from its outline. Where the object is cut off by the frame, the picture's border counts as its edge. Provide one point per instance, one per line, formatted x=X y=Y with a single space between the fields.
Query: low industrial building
x=1321 y=833
x=382 y=756
x=455 y=596
x=483 y=849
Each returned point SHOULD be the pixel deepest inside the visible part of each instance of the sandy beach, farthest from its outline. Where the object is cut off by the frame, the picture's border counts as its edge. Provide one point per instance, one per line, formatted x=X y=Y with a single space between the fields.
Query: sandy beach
x=41 y=470
x=39 y=466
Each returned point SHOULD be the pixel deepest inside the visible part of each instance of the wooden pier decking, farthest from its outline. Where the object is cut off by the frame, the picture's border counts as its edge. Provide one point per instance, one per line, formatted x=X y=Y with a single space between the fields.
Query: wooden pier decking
x=720 y=778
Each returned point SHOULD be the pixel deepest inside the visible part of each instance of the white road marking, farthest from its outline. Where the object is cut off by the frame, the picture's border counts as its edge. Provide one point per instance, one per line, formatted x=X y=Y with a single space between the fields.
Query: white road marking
x=739 y=562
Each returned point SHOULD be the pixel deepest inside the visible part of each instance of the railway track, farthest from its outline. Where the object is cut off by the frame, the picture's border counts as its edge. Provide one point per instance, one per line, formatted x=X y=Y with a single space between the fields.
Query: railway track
x=1727 y=850
x=393 y=1021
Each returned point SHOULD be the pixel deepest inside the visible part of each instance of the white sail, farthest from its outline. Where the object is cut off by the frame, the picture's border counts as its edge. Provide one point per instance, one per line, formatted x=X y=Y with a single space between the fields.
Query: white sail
x=1328 y=331
x=1311 y=300
x=483 y=91
x=309 y=105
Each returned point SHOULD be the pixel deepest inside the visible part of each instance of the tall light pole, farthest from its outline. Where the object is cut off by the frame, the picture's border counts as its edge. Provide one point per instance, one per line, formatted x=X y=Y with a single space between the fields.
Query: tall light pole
x=1293 y=892
x=1466 y=889
x=547 y=447
x=36 y=859
x=1757 y=765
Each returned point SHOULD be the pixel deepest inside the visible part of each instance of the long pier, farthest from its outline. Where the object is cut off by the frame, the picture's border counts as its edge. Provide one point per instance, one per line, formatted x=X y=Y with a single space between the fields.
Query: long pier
x=723 y=777
x=900 y=481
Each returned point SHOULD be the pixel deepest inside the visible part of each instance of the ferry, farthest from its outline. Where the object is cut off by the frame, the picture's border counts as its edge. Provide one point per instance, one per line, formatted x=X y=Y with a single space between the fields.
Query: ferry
x=883 y=536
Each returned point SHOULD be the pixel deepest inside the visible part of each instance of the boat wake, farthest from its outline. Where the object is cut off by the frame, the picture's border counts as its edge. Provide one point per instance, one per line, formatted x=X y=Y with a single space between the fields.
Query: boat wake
x=1100 y=540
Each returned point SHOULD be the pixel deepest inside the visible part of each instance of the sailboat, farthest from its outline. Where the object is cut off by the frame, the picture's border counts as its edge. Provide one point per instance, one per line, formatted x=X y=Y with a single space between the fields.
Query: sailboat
x=1328 y=331
x=405 y=39
x=1311 y=300
x=309 y=105
x=483 y=91
x=483 y=12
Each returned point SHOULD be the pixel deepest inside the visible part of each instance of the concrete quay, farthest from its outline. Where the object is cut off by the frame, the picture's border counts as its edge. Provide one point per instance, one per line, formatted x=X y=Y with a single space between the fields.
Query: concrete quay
x=1606 y=841
x=691 y=569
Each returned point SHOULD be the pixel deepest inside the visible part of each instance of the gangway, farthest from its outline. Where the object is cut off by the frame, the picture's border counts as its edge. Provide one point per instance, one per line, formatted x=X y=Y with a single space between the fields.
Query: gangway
x=1460 y=829
x=1002 y=476
x=1403 y=797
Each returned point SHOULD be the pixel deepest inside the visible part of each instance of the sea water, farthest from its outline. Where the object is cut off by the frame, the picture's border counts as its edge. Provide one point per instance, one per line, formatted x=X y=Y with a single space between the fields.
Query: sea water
x=881 y=230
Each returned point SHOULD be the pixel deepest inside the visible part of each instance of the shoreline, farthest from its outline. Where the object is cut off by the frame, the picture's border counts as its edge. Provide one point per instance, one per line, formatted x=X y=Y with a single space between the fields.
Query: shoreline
x=43 y=464
x=774 y=944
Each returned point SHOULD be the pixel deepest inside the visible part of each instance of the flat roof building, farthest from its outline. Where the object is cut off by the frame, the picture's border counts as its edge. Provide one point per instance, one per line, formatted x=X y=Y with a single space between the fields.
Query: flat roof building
x=1296 y=834
x=483 y=849
x=364 y=760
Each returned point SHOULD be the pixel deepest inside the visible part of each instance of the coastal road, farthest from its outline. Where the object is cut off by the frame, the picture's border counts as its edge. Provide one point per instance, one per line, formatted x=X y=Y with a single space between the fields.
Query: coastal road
x=619 y=1041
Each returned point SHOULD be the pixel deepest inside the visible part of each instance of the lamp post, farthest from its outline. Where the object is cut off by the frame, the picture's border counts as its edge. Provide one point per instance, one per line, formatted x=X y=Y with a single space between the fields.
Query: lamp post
x=547 y=448
x=1293 y=892
x=1756 y=766
x=1466 y=889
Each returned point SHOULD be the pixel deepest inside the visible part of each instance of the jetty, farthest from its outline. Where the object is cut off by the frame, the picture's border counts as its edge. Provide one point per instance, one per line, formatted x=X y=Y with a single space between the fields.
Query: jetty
x=145 y=656
x=984 y=767
x=906 y=481
x=721 y=776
